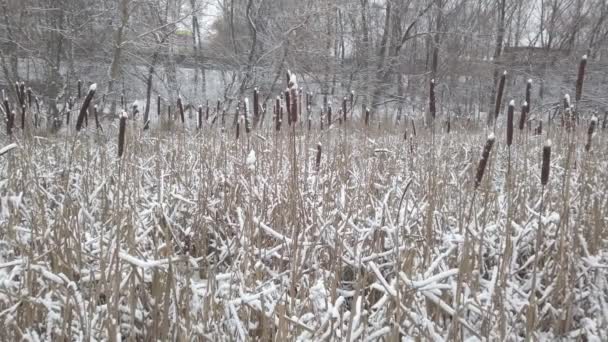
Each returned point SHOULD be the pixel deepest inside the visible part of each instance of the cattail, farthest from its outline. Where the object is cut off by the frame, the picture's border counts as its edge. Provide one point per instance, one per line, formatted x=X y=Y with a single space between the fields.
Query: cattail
x=169 y=115
x=510 y=113
x=485 y=156
x=29 y=97
x=85 y=106
x=432 y=108
x=328 y=115
x=19 y=94
x=223 y=117
x=68 y=114
x=277 y=108
x=256 y=104
x=22 y=117
x=321 y=119
x=207 y=112
x=590 y=132
x=158 y=106
x=405 y=133
x=294 y=102
x=539 y=129
x=580 y=78
x=352 y=100
x=546 y=166
x=238 y=128
x=569 y=115
x=122 y=100
x=501 y=88
x=121 y=133
x=366 y=116
x=413 y=127
x=200 y=117
x=529 y=94
x=288 y=106
x=79 y=89
x=180 y=106
x=344 y=109
x=96 y=116
x=318 y=161
x=448 y=125
x=37 y=103
x=246 y=113
x=522 y=119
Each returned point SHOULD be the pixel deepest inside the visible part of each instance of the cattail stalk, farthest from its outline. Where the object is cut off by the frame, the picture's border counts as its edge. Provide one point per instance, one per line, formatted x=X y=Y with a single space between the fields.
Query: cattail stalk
x=85 y=106
x=485 y=156
x=121 y=133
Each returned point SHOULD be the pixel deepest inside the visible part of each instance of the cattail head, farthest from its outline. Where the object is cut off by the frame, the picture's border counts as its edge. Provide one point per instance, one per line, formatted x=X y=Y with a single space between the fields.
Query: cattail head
x=432 y=108
x=485 y=156
x=158 y=106
x=121 y=133
x=523 y=117
x=529 y=93
x=510 y=113
x=318 y=160
x=200 y=117
x=501 y=89
x=546 y=165
x=180 y=106
x=246 y=113
x=79 y=89
x=580 y=78
x=592 y=126
x=85 y=106
x=344 y=108
x=29 y=97
x=367 y=116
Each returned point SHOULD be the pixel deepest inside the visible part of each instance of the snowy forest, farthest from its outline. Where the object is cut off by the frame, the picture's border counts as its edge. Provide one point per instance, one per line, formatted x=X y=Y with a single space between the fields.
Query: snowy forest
x=304 y=170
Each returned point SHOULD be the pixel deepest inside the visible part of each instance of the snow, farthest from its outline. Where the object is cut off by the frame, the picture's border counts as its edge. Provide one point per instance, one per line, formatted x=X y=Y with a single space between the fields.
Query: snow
x=251 y=159
x=93 y=87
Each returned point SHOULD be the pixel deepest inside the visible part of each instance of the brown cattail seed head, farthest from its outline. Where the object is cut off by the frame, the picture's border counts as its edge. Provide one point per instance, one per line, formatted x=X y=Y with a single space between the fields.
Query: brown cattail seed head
x=546 y=166
x=318 y=161
x=85 y=106
x=501 y=88
x=590 y=132
x=485 y=156
x=121 y=133
x=522 y=119
x=580 y=78
x=510 y=113
x=432 y=106
x=529 y=93
x=180 y=106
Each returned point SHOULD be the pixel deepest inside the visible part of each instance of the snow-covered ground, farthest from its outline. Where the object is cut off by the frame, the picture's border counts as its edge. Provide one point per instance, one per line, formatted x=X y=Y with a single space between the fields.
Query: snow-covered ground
x=193 y=235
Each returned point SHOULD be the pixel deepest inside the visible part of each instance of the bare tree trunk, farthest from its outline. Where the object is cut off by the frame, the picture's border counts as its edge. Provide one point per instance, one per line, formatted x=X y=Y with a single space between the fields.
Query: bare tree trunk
x=497 y=54
x=115 y=67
